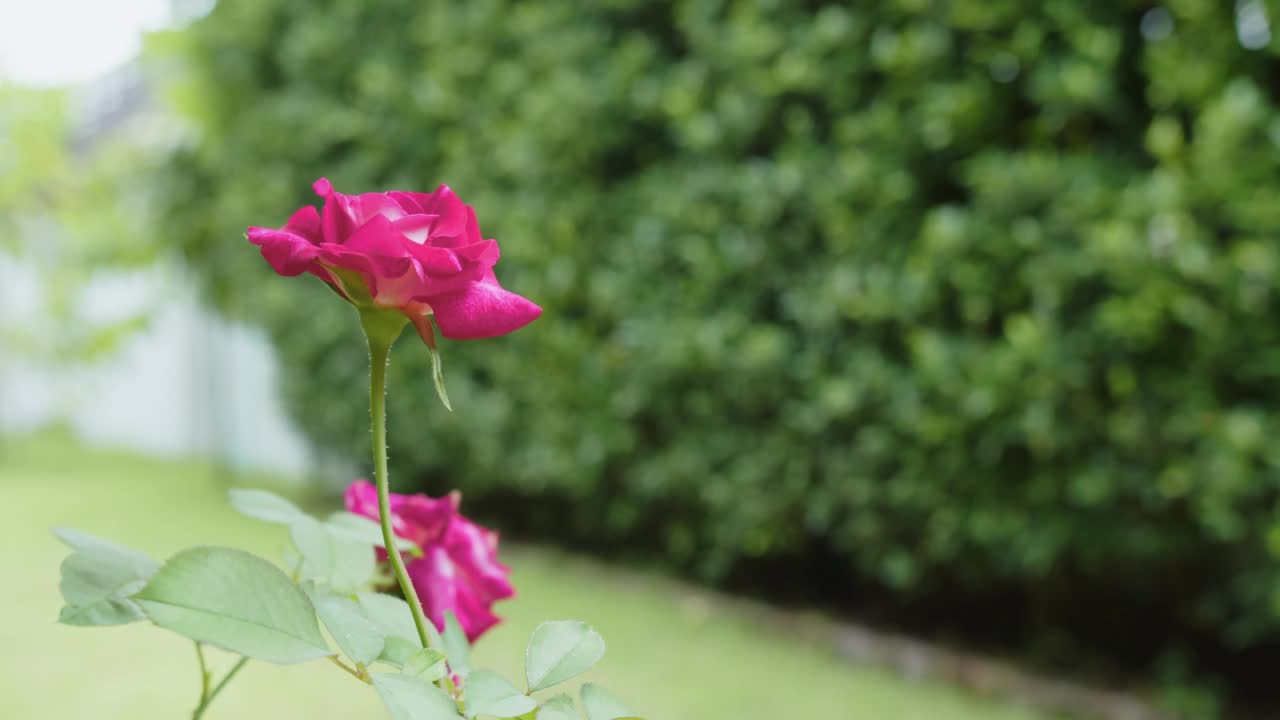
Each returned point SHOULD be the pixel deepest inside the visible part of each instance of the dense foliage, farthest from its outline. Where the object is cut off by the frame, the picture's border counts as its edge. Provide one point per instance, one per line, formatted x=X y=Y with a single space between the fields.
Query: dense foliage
x=969 y=297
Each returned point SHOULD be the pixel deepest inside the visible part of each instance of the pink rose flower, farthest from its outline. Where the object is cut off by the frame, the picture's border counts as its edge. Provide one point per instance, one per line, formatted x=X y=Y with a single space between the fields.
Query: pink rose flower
x=417 y=253
x=459 y=569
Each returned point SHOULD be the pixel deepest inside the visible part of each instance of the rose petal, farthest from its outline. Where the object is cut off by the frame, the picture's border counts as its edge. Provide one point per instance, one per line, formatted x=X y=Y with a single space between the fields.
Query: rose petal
x=408 y=201
x=306 y=223
x=379 y=237
x=399 y=292
x=473 y=554
x=440 y=285
x=483 y=309
x=361 y=498
x=336 y=224
x=472 y=611
x=429 y=517
x=287 y=253
x=435 y=260
x=433 y=577
x=379 y=254
x=416 y=227
x=367 y=206
x=485 y=252
x=453 y=213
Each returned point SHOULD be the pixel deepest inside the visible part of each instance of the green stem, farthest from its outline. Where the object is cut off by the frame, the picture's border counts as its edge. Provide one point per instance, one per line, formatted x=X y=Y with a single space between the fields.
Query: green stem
x=379 y=356
x=356 y=672
x=204 y=672
x=207 y=699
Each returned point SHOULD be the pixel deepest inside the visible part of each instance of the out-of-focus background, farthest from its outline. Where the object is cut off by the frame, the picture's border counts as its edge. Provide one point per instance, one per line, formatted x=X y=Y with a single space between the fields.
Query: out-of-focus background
x=908 y=359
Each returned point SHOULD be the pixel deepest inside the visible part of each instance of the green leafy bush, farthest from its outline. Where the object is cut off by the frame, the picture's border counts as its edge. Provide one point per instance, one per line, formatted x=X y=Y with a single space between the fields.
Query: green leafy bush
x=972 y=296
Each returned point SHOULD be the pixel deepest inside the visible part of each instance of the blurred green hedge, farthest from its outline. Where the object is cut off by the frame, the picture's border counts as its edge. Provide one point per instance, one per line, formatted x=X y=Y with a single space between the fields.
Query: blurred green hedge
x=965 y=295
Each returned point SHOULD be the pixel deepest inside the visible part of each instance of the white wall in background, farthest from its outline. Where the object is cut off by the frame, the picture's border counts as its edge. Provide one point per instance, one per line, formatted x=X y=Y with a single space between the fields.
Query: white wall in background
x=189 y=384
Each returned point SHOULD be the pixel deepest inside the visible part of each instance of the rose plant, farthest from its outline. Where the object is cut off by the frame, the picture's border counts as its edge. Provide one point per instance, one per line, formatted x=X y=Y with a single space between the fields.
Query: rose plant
x=399 y=258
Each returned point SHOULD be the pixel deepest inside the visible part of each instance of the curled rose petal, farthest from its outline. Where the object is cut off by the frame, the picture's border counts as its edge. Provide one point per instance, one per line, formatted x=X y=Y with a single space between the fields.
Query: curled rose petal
x=481 y=310
x=287 y=253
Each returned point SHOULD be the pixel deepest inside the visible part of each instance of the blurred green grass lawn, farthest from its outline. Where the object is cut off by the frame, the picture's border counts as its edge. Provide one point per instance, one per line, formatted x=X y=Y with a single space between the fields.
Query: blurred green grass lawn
x=671 y=654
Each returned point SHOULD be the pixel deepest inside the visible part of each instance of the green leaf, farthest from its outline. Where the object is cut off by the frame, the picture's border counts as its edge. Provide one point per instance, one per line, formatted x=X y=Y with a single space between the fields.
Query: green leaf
x=560 y=707
x=437 y=641
x=362 y=529
x=559 y=650
x=81 y=540
x=339 y=561
x=390 y=614
x=95 y=594
x=425 y=663
x=292 y=559
x=394 y=620
x=411 y=698
x=353 y=565
x=266 y=506
x=488 y=693
x=312 y=542
x=456 y=647
x=399 y=651
x=437 y=374
x=358 y=637
x=600 y=704
x=236 y=601
x=97 y=579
